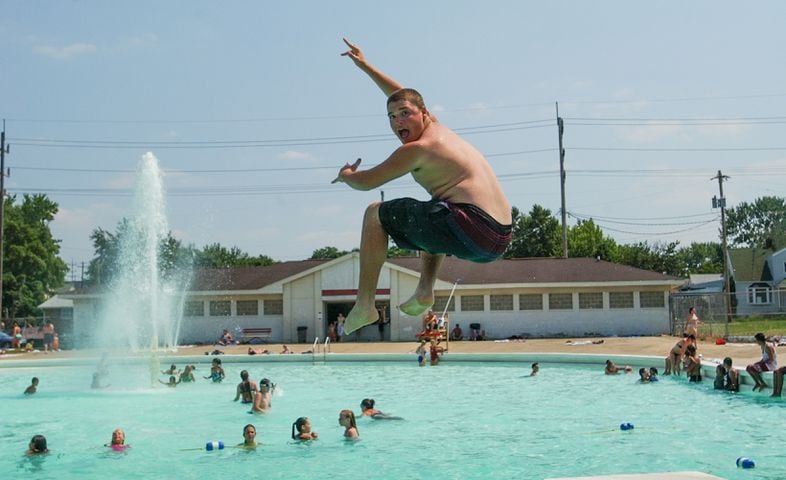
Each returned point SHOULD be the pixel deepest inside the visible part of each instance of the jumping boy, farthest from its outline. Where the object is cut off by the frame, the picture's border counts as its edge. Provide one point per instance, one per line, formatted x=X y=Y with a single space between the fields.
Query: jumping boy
x=468 y=215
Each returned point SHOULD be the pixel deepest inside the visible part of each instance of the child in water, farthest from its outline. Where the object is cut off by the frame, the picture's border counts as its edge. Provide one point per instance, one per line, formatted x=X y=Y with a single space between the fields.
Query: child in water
x=33 y=387
x=172 y=381
x=303 y=427
x=187 y=375
x=421 y=351
x=216 y=371
x=37 y=445
x=367 y=407
x=118 y=442
x=249 y=437
x=346 y=418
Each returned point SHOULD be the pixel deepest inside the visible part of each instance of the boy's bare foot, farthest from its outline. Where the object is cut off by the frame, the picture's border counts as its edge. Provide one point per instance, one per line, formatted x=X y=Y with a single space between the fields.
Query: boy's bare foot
x=359 y=317
x=417 y=304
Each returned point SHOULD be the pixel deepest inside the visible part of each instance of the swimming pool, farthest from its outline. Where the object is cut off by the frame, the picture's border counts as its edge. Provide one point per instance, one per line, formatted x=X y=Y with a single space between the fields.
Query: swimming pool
x=462 y=420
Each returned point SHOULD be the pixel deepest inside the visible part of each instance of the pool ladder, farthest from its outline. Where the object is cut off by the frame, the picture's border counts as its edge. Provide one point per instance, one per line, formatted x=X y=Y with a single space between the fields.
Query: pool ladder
x=315 y=350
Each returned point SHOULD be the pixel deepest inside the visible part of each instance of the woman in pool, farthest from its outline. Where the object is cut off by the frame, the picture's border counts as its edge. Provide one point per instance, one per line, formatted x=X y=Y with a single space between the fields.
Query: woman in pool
x=346 y=418
x=245 y=389
x=249 y=437
x=301 y=430
x=367 y=407
x=37 y=445
x=612 y=369
x=118 y=442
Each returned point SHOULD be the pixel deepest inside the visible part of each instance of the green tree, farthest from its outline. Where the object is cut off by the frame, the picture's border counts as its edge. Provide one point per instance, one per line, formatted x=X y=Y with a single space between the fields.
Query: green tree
x=31 y=266
x=706 y=257
x=659 y=257
x=758 y=224
x=172 y=255
x=534 y=235
x=326 y=253
x=217 y=256
x=585 y=239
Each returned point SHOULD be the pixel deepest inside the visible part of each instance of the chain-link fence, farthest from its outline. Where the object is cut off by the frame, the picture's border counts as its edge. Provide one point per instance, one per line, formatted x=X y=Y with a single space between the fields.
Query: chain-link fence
x=722 y=316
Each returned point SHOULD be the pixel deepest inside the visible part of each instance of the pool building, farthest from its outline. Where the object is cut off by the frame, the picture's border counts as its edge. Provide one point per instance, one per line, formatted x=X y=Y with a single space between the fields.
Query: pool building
x=294 y=301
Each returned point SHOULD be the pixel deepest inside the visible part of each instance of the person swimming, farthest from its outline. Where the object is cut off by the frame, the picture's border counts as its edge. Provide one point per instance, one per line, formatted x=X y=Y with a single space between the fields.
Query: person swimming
x=216 y=371
x=301 y=430
x=118 y=442
x=346 y=418
x=249 y=437
x=368 y=410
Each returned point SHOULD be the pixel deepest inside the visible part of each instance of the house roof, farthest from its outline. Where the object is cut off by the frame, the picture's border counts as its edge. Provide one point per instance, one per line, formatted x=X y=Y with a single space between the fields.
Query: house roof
x=537 y=270
x=516 y=271
x=248 y=278
x=750 y=264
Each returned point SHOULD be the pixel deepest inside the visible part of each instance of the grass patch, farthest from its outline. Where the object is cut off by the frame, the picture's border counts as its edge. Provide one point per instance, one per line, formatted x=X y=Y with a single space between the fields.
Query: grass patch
x=746 y=326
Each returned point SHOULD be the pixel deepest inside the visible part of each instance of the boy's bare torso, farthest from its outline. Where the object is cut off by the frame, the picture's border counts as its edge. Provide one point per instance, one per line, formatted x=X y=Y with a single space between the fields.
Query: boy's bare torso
x=451 y=169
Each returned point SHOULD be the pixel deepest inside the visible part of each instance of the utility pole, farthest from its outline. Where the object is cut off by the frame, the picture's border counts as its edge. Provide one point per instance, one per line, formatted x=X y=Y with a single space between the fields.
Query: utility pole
x=3 y=150
x=716 y=203
x=561 y=129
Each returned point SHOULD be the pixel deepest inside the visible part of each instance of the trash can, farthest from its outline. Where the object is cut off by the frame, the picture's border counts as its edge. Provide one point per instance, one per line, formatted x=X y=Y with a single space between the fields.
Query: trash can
x=301 y=334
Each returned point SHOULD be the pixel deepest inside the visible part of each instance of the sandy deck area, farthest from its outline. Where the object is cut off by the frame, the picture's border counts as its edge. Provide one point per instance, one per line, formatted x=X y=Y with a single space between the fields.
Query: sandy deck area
x=742 y=353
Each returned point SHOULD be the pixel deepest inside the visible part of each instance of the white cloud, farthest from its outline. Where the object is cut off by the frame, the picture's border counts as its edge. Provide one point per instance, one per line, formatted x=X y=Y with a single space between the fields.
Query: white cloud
x=143 y=40
x=66 y=52
x=294 y=155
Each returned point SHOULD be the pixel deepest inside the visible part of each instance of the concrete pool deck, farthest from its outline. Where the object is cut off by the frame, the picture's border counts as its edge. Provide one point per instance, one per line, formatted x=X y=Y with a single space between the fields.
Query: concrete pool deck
x=742 y=353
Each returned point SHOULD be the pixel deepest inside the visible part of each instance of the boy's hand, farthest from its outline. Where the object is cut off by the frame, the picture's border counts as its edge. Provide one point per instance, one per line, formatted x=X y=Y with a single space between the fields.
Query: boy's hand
x=346 y=166
x=354 y=53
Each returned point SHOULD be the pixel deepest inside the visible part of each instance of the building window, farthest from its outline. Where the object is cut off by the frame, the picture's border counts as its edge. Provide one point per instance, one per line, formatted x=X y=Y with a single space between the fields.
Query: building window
x=560 y=301
x=590 y=300
x=759 y=294
x=530 y=301
x=651 y=299
x=274 y=307
x=247 y=307
x=66 y=313
x=622 y=299
x=439 y=304
x=472 y=303
x=194 y=308
x=220 y=308
x=501 y=302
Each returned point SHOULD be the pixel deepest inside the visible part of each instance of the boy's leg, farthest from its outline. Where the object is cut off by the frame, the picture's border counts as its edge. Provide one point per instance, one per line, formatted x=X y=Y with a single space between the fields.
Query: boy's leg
x=373 y=251
x=423 y=298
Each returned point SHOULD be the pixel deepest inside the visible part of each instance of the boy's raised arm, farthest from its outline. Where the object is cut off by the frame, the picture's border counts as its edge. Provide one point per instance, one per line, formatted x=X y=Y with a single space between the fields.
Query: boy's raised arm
x=384 y=82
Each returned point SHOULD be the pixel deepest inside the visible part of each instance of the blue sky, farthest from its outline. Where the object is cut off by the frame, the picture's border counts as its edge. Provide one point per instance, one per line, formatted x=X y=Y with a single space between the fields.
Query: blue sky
x=251 y=110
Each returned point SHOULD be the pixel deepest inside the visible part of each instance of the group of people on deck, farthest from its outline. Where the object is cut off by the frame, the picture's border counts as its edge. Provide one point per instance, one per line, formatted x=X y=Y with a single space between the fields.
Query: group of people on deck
x=684 y=355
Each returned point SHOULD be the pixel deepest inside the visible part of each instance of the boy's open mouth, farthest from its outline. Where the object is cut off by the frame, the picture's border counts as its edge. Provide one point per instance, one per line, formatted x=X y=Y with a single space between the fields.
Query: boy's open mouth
x=403 y=134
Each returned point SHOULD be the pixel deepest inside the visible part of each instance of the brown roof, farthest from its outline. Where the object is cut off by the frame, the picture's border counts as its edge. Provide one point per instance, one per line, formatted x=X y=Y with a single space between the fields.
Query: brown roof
x=523 y=270
x=247 y=278
x=536 y=270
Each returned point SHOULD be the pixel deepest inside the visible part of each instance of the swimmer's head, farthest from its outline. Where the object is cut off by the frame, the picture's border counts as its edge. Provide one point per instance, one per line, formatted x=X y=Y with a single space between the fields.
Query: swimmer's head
x=727 y=362
x=244 y=375
x=346 y=418
x=118 y=437
x=265 y=382
x=367 y=403
x=38 y=444
x=35 y=381
x=760 y=337
x=298 y=425
x=249 y=431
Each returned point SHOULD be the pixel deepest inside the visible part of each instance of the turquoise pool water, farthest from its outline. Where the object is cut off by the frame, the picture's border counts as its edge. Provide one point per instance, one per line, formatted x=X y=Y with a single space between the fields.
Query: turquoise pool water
x=462 y=420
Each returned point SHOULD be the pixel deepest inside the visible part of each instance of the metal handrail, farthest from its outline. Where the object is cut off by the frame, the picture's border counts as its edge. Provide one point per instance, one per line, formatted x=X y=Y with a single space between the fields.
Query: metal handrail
x=326 y=349
x=315 y=350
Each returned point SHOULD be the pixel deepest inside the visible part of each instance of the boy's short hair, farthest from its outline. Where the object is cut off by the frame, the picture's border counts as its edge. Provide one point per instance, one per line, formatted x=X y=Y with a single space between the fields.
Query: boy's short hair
x=409 y=94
